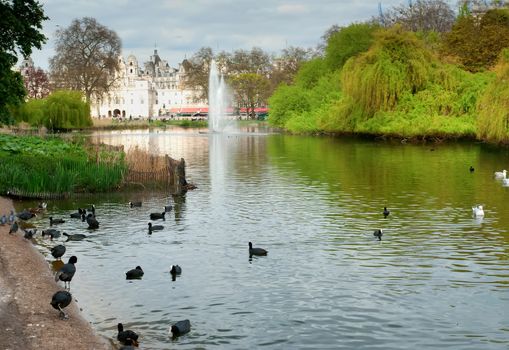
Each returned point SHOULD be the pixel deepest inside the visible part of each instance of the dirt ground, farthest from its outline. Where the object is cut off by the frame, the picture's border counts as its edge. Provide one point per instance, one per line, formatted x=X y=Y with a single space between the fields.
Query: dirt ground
x=27 y=320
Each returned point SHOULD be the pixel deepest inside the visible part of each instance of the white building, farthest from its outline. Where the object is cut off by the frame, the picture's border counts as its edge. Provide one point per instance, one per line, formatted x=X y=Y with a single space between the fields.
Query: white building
x=154 y=90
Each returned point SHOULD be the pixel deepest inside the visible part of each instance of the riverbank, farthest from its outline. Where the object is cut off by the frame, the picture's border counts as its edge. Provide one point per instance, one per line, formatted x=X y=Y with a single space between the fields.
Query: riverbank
x=27 y=320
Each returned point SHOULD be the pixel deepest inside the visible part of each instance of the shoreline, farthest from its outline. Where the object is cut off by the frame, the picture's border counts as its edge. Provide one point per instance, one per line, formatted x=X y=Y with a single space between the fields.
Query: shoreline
x=27 y=320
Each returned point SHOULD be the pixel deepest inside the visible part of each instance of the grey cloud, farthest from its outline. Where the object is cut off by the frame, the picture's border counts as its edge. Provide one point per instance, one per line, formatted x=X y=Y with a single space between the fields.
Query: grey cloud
x=181 y=27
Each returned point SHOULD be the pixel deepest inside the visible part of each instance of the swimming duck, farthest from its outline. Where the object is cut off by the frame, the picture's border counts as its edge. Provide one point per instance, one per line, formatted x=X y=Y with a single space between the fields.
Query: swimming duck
x=55 y=221
x=29 y=234
x=77 y=215
x=378 y=234
x=500 y=174
x=92 y=221
x=156 y=216
x=124 y=336
x=60 y=300
x=176 y=270
x=66 y=273
x=180 y=328
x=58 y=251
x=135 y=273
x=154 y=227
x=134 y=204
x=386 y=212
x=52 y=233
x=256 y=251
x=471 y=169
x=478 y=211
x=74 y=237
x=26 y=215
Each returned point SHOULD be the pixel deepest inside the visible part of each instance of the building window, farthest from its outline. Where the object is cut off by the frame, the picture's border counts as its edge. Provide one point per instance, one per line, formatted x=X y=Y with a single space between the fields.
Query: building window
x=157 y=102
x=130 y=70
x=132 y=102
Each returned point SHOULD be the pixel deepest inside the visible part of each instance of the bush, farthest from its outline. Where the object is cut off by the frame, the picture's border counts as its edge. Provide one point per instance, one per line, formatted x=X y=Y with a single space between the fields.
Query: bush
x=60 y=110
x=493 y=106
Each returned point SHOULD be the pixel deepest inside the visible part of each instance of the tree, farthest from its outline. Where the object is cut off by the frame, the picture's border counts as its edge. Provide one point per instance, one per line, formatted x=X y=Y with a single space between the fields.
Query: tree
x=421 y=15
x=287 y=65
x=347 y=42
x=36 y=83
x=20 y=25
x=477 y=42
x=251 y=90
x=197 y=70
x=86 y=58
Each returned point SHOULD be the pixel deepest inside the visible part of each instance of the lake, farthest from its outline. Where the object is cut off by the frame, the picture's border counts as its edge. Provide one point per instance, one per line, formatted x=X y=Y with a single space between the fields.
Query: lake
x=438 y=279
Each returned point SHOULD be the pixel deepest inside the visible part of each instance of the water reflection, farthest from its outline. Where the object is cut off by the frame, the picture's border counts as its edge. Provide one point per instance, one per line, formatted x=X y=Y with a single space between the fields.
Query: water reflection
x=438 y=279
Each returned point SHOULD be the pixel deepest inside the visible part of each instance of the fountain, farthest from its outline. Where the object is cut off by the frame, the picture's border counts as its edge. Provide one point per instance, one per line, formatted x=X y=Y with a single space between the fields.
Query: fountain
x=219 y=98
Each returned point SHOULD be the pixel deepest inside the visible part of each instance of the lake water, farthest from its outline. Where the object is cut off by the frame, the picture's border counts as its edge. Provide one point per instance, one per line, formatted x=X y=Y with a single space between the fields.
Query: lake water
x=438 y=279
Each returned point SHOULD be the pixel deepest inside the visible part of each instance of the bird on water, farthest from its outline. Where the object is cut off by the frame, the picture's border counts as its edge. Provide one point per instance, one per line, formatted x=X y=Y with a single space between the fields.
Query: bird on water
x=136 y=273
x=58 y=251
x=256 y=251
x=154 y=228
x=180 y=328
x=124 y=336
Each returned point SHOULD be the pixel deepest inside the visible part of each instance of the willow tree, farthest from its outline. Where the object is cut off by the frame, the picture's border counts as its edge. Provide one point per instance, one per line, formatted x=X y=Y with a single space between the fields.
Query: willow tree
x=493 y=106
x=396 y=63
x=86 y=58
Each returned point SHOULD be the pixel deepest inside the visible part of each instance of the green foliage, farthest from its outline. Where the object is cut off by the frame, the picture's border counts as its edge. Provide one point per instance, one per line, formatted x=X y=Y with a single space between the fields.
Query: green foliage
x=310 y=72
x=34 y=164
x=395 y=88
x=493 y=106
x=298 y=109
x=397 y=63
x=20 y=25
x=60 y=110
x=348 y=42
x=12 y=90
x=286 y=102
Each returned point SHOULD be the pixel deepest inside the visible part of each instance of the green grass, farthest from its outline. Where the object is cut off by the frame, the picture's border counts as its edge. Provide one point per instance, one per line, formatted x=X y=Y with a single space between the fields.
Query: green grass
x=33 y=164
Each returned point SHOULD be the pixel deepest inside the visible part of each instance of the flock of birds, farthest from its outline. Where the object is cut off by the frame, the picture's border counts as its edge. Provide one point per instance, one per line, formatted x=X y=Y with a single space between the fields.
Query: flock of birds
x=63 y=298
x=129 y=338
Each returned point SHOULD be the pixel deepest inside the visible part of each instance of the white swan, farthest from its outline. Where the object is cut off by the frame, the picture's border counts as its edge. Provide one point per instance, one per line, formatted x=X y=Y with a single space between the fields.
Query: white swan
x=500 y=174
x=478 y=211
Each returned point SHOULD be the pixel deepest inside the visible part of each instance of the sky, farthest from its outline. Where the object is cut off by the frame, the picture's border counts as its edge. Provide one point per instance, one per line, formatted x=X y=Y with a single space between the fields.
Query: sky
x=179 y=28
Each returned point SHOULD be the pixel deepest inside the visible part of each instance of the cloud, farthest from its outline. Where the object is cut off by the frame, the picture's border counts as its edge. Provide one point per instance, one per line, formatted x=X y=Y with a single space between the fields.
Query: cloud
x=289 y=9
x=179 y=28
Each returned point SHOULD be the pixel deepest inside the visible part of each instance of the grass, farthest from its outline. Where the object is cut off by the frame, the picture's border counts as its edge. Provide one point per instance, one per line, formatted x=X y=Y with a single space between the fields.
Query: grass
x=33 y=164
